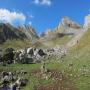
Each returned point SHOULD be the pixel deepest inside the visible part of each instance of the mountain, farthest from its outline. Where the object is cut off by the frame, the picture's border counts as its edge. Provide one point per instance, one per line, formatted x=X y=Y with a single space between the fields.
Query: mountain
x=66 y=30
x=8 y=32
x=66 y=25
x=66 y=33
x=84 y=42
x=28 y=31
x=78 y=57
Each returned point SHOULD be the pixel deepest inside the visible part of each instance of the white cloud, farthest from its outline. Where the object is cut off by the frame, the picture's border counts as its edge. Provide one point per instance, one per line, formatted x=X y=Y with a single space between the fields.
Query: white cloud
x=30 y=23
x=7 y=16
x=31 y=16
x=43 y=2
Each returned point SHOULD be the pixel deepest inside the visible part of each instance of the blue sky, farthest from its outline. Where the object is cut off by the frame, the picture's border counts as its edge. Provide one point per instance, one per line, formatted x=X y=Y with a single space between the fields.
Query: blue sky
x=43 y=14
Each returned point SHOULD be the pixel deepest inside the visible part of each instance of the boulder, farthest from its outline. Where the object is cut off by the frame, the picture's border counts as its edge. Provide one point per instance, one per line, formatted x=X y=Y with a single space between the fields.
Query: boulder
x=41 y=52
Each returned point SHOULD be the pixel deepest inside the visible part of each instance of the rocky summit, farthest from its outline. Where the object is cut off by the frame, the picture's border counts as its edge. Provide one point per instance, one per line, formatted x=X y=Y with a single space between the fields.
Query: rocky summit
x=68 y=26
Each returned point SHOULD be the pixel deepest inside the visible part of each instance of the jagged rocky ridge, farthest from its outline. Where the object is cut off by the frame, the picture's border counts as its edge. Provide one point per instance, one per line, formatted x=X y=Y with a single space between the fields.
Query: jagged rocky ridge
x=66 y=27
x=10 y=32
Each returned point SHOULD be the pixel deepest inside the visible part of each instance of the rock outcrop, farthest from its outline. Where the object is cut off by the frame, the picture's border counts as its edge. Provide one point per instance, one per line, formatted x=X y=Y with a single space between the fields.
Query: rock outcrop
x=87 y=21
x=29 y=32
x=65 y=27
x=68 y=26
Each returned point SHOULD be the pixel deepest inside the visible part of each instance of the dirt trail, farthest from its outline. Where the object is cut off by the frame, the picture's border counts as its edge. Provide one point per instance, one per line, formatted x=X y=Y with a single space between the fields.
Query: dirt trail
x=59 y=82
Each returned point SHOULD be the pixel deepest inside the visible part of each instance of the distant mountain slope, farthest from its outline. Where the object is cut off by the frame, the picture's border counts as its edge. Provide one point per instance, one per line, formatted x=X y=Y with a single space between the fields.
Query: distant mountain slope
x=16 y=44
x=82 y=39
x=84 y=44
x=28 y=31
x=8 y=32
x=80 y=51
x=66 y=30
x=16 y=37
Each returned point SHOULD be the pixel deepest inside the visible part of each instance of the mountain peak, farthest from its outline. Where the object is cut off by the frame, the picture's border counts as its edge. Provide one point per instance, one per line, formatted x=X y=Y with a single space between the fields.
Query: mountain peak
x=67 y=22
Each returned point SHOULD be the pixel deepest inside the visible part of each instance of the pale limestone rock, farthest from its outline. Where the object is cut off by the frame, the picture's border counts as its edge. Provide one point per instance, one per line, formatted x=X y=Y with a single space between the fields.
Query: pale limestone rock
x=87 y=21
x=67 y=23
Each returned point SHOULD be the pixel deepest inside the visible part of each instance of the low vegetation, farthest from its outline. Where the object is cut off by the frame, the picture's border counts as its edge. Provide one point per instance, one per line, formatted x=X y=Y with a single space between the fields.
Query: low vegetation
x=16 y=44
x=75 y=68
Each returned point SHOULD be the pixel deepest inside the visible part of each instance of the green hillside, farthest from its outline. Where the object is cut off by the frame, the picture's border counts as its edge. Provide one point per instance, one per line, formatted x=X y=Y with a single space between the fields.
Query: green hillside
x=52 y=40
x=57 y=41
x=79 y=56
x=82 y=49
x=75 y=66
x=16 y=44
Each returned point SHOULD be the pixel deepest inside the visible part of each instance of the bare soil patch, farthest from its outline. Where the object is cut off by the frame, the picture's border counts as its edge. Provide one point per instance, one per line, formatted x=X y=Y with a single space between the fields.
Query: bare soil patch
x=60 y=81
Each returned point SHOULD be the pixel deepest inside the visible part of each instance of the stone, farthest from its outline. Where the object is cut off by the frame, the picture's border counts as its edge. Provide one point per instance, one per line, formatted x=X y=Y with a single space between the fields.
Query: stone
x=66 y=23
x=87 y=21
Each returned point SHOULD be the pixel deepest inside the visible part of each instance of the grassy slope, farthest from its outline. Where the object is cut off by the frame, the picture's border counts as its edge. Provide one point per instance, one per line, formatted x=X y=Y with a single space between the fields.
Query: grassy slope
x=84 y=43
x=16 y=44
x=79 y=55
x=52 y=43
x=57 y=41
x=29 y=68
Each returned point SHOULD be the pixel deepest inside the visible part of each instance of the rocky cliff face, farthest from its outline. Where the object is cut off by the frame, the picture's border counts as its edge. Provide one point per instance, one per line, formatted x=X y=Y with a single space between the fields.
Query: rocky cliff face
x=28 y=31
x=87 y=21
x=7 y=31
x=65 y=27
x=68 y=26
